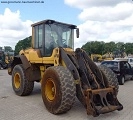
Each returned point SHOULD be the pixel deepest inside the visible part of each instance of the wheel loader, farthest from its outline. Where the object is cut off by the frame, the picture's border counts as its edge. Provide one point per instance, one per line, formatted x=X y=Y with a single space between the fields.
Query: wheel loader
x=3 y=60
x=64 y=73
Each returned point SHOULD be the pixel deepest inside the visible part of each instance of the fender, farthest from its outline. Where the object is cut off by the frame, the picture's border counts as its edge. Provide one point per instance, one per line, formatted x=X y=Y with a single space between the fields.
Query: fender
x=31 y=71
x=19 y=59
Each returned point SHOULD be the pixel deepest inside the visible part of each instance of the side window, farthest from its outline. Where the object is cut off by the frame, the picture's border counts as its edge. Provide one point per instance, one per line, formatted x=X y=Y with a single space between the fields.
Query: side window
x=130 y=60
x=116 y=64
x=50 y=42
x=47 y=36
x=64 y=37
x=126 y=65
x=67 y=38
x=38 y=36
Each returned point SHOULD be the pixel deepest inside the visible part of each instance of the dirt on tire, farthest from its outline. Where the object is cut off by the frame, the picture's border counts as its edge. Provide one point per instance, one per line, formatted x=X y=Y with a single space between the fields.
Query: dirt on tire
x=26 y=87
x=65 y=89
x=112 y=78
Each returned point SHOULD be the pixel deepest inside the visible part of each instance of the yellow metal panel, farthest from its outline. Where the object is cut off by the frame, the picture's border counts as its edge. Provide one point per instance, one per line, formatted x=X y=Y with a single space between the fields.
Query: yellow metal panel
x=34 y=56
x=50 y=60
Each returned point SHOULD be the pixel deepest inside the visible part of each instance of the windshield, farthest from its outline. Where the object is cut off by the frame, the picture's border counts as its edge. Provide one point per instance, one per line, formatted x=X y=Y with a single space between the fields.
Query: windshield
x=61 y=34
x=110 y=64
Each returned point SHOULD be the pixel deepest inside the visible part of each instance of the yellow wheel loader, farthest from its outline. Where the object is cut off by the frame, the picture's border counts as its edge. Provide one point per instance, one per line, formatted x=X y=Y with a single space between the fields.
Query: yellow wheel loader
x=63 y=72
x=3 y=60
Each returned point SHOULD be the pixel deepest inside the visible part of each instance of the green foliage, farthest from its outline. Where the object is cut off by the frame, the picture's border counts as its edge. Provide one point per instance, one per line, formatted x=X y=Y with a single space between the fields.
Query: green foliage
x=7 y=49
x=95 y=47
x=109 y=47
x=22 y=44
x=128 y=48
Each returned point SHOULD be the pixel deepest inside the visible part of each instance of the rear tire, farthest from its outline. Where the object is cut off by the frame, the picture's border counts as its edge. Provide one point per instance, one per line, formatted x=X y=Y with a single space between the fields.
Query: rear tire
x=58 y=89
x=21 y=85
x=121 y=80
x=112 y=78
x=0 y=66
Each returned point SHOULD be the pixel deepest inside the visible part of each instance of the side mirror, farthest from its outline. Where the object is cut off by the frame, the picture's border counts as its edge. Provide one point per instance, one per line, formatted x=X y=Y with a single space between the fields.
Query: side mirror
x=77 y=32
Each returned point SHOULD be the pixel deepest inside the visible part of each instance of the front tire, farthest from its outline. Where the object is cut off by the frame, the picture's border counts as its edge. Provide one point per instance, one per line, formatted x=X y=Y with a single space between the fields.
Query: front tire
x=21 y=85
x=58 y=89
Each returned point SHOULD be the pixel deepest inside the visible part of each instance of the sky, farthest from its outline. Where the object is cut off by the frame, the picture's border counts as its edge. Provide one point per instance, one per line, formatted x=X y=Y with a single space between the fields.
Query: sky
x=98 y=20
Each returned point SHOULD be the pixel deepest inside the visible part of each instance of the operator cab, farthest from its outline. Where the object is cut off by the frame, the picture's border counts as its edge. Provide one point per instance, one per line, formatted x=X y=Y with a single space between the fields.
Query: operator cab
x=49 y=34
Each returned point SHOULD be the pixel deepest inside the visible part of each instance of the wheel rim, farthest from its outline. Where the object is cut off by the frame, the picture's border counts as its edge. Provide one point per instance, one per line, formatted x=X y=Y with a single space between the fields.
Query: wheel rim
x=17 y=80
x=50 y=89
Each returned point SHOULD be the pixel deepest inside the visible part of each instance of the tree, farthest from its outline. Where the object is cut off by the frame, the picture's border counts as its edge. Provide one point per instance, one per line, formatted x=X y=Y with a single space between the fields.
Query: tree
x=7 y=49
x=22 y=44
x=128 y=48
x=109 y=47
x=94 y=47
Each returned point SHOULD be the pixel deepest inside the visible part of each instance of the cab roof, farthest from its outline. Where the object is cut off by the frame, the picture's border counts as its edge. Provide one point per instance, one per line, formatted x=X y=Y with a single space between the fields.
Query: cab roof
x=52 y=21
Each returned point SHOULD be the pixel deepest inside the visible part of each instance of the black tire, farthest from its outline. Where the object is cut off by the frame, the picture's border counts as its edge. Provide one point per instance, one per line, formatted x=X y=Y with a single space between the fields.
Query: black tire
x=122 y=80
x=112 y=78
x=20 y=83
x=0 y=66
x=59 y=82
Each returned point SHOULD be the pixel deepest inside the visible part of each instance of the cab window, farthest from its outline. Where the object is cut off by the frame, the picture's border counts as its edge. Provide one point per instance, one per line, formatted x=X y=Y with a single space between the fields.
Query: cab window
x=38 y=36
